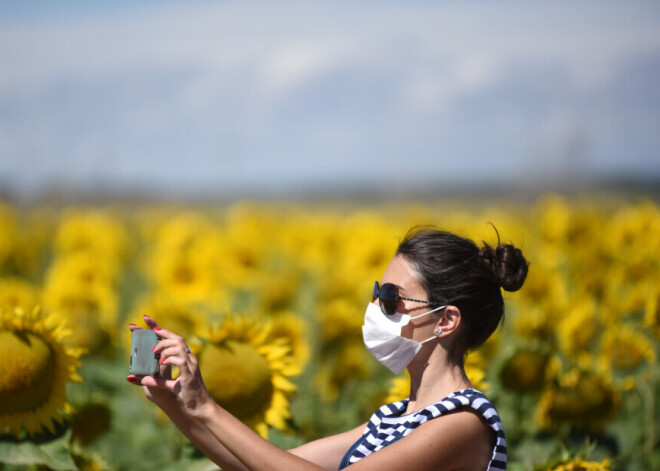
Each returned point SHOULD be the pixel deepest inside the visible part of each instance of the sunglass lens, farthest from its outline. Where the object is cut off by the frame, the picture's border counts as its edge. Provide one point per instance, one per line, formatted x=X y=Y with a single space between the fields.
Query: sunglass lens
x=376 y=292
x=389 y=296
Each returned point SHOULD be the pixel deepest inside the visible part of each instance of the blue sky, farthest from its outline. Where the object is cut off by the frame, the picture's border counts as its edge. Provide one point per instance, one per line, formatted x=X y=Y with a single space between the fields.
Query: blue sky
x=232 y=98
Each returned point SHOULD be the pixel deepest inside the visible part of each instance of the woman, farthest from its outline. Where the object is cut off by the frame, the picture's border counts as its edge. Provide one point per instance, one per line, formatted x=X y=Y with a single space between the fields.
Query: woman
x=440 y=297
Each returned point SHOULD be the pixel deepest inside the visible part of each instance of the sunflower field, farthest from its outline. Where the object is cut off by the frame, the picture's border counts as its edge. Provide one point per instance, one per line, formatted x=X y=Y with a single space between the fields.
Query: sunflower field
x=271 y=298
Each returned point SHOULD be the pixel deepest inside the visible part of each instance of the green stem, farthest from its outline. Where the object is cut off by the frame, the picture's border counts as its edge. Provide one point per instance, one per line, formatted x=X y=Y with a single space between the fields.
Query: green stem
x=648 y=398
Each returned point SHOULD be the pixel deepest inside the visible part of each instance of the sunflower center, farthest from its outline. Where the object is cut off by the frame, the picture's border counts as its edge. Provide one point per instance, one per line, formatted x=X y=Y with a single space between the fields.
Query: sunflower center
x=184 y=274
x=26 y=371
x=237 y=377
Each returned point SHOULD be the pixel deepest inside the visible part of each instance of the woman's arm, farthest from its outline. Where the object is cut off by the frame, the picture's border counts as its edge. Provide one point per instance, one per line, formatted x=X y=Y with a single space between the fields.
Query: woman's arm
x=457 y=441
x=206 y=442
x=326 y=453
x=192 y=429
x=257 y=454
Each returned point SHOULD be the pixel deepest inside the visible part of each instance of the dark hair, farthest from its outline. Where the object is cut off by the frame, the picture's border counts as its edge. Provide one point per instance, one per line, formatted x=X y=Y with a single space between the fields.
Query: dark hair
x=454 y=271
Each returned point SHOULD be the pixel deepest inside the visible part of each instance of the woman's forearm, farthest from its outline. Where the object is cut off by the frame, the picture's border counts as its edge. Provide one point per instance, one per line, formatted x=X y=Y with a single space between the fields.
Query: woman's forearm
x=247 y=447
x=203 y=439
x=218 y=434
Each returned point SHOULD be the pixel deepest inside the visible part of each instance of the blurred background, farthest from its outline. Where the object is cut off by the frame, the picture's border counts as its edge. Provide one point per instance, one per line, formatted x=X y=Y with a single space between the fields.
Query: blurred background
x=243 y=172
x=240 y=99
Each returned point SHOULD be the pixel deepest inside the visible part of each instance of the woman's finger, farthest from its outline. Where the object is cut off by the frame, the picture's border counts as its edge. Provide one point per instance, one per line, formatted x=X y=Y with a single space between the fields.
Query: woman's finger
x=185 y=362
x=147 y=320
x=174 y=351
x=169 y=343
x=166 y=334
x=172 y=359
x=152 y=324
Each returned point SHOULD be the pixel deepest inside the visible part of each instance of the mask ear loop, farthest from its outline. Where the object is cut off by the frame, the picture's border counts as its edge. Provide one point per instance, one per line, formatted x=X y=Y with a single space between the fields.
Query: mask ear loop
x=429 y=312
x=437 y=332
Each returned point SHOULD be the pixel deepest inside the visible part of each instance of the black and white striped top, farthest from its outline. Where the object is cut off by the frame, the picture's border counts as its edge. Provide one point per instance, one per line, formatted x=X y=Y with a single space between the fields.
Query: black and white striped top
x=387 y=425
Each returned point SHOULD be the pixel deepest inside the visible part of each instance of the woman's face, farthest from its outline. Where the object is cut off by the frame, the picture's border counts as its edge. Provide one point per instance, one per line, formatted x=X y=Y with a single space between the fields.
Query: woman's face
x=401 y=273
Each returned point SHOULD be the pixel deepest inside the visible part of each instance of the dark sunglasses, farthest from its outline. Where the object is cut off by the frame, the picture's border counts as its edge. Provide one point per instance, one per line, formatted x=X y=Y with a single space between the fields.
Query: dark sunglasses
x=388 y=296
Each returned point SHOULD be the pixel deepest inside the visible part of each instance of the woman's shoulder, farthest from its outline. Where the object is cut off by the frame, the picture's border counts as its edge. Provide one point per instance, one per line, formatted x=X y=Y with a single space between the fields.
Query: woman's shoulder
x=469 y=424
x=466 y=397
x=458 y=400
x=457 y=440
x=467 y=438
x=468 y=400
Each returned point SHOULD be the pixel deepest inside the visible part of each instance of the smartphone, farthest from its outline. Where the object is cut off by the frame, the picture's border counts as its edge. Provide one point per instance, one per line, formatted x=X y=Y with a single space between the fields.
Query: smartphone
x=143 y=361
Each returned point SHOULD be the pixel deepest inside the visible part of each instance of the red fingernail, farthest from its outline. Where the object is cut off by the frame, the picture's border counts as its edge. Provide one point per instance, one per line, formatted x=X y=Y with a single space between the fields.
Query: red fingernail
x=131 y=379
x=131 y=324
x=157 y=329
x=146 y=316
x=152 y=350
x=160 y=362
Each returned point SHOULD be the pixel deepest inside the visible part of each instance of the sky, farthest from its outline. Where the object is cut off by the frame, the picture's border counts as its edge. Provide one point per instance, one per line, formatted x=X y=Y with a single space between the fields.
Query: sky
x=296 y=97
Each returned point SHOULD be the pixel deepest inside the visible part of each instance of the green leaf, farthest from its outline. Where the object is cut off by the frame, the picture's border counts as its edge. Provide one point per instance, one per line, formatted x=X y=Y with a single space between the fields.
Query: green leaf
x=53 y=454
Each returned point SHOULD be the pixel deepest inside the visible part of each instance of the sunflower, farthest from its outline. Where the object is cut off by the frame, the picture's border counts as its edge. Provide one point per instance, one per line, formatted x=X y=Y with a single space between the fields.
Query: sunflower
x=189 y=277
x=525 y=370
x=368 y=246
x=475 y=365
x=16 y=292
x=186 y=319
x=340 y=320
x=342 y=366
x=247 y=372
x=91 y=307
x=535 y=323
x=36 y=365
x=578 y=329
x=342 y=353
x=583 y=399
x=9 y=232
x=90 y=420
x=22 y=241
x=278 y=290
x=185 y=259
x=624 y=349
x=84 y=267
x=293 y=328
x=92 y=231
x=86 y=460
x=652 y=312
x=246 y=246
x=399 y=389
x=579 y=464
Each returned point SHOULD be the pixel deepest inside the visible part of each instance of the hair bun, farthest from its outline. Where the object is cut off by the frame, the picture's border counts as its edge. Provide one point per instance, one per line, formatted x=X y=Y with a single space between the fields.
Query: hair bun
x=507 y=265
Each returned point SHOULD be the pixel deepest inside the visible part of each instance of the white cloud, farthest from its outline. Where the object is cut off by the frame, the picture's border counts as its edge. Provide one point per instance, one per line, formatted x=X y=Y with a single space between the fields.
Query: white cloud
x=362 y=80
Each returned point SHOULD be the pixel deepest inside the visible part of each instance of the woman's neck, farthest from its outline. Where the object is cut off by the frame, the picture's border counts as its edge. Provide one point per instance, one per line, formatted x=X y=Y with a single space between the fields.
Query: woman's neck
x=434 y=379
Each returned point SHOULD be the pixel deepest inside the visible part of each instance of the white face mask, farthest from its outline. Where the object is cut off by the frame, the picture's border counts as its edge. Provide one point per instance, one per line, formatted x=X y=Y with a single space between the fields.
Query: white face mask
x=382 y=337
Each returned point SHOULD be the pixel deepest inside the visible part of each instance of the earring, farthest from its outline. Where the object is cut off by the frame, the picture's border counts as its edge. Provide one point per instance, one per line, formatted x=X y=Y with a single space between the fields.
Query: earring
x=438 y=332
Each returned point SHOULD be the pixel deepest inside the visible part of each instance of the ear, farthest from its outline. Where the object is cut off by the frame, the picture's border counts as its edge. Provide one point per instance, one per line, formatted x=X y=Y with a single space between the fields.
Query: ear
x=450 y=321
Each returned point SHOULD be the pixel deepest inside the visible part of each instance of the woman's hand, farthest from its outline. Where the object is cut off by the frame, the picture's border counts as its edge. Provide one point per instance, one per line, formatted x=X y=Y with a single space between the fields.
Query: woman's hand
x=159 y=396
x=187 y=391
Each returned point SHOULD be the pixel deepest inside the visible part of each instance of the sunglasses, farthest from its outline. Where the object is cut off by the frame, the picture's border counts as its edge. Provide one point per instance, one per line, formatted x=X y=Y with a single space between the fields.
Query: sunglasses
x=388 y=297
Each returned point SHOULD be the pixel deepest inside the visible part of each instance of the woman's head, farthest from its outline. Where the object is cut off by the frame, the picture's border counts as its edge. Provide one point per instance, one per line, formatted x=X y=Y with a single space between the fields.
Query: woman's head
x=454 y=270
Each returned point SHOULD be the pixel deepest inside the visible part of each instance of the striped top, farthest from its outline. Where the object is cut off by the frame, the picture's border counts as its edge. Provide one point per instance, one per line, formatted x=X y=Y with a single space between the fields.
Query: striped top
x=387 y=425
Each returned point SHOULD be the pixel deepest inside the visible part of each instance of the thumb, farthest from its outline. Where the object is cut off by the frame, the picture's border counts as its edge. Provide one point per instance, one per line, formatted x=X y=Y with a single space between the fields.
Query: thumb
x=160 y=382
